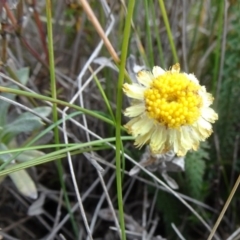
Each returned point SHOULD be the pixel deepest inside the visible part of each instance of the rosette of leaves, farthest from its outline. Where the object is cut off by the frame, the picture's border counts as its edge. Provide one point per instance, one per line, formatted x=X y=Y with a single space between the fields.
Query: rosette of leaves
x=14 y=127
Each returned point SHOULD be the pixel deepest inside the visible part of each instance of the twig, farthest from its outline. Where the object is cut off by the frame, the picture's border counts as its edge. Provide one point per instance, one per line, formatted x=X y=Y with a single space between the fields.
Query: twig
x=99 y=29
x=177 y=231
x=224 y=208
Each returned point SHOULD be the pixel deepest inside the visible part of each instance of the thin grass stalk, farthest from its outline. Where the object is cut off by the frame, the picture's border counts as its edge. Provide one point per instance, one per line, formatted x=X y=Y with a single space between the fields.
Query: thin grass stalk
x=85 y=5
x=55 y=113
x=224 y=208
x=45 y=147
x=5 y=42
x=157 y=35
x=137 y=33
x=32 y=141
x=10 y=14
x=4 y=46
x=82 y=147
x=196 y=30
x=19 y=14
x=40 y=29
x=124 y=51
x=23 y=40
x=218 y=47
x=13 y=75
x=100 y=31
x=33 y=51
x=59 y=102
x=121 y=23
x=217 y=71
x=223 y=49
x=103 y=94
x=149 y=35
x=169 y=32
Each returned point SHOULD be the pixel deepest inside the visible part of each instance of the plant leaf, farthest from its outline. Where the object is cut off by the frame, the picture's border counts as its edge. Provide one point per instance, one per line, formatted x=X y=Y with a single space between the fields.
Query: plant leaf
x=24 y=183
x=6 y=156
x=37 y=207
x=194 y=169
x=26 y=122
x=4 y=106
x=23 y=75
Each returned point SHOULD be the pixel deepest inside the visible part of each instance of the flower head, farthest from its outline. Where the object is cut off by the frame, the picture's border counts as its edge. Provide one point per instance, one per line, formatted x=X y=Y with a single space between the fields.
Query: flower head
x=170 y=111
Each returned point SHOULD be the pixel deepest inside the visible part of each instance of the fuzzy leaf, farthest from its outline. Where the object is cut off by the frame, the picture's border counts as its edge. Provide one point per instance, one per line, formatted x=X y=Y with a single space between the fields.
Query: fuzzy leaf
x=4 y=106
x=41 y=111
x=26 y=122
x=23 y=75
x=4 y=157
x=37 y=207
x=24 y=184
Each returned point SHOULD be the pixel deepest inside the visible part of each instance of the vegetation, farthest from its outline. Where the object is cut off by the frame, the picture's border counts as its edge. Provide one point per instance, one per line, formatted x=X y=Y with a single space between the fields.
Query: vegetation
x=68 y=168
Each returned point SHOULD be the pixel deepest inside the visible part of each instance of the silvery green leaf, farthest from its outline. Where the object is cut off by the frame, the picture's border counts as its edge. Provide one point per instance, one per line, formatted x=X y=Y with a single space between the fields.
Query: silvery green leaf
x=41 y=111
x=26 y=122
x=24 y=183
x=11 y=64
x=44 y=139
x=4 y=106
x=18 y=126
x=29 y=155
x=23 y=75
x=36 y=207
x=6 y=156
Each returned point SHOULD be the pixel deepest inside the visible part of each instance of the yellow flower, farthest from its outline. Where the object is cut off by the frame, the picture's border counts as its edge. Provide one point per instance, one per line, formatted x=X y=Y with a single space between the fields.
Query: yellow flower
x=170 y=111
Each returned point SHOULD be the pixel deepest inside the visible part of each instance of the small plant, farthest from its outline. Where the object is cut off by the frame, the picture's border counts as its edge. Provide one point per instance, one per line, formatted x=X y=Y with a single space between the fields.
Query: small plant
x=13 y=125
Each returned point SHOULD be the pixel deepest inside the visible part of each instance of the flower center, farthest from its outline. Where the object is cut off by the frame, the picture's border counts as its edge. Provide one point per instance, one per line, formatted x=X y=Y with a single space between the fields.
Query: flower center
x=173 y=100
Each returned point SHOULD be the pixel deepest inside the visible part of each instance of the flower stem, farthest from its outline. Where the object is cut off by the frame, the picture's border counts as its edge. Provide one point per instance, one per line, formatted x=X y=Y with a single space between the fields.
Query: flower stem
x=126 y=36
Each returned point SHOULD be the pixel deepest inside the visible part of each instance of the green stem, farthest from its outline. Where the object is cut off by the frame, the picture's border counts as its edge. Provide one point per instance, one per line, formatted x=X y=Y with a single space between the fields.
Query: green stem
x=124 y=50
x=149 y=35
x=82 y=147
x=57 y=101
x=196 y=31
x=105 y=98
x=41 y=134
x=157 y=33
x=218 y=47
x=55 y=113
x=169 y=33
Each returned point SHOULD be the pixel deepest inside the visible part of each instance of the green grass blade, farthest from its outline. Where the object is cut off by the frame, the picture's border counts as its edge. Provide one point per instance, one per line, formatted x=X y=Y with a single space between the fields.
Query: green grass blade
x=119 y=114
